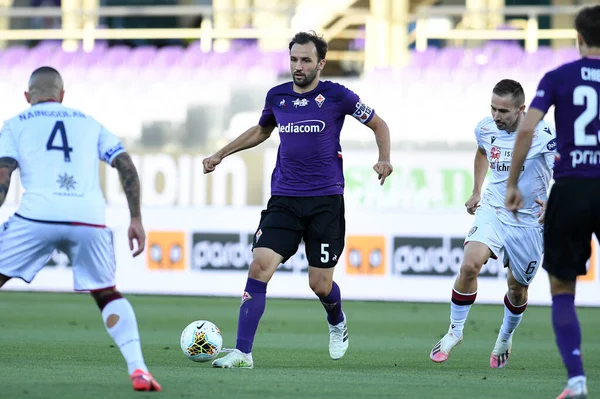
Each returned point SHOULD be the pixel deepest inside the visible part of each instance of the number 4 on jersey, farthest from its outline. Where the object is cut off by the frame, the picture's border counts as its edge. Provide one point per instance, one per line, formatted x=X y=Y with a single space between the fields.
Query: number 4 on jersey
x=59 y=126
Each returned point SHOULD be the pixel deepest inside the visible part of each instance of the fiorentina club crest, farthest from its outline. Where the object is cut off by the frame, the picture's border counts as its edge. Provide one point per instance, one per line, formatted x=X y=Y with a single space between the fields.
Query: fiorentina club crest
x=246 y=297
x=258 y=234
x=320 y=100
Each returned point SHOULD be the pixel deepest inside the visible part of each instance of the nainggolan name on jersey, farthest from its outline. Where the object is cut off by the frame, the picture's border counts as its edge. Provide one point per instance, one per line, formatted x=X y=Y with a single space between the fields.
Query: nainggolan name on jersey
x=50 y=114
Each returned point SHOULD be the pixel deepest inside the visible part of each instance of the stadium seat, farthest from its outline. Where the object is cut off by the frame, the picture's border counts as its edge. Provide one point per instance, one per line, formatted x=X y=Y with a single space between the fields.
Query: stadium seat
x=438 y=97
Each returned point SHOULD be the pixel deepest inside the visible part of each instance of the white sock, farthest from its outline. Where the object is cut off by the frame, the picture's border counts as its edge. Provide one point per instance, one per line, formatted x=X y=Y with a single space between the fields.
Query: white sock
x=509 y=324
x=458 y=317
x=511 y=320
x=459 y=313
x=124 y=332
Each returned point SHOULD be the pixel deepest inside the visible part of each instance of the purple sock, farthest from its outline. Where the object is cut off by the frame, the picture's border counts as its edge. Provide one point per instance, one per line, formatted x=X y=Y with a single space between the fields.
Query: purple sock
x=252 y=308
x=568 y=333
x=333 y=305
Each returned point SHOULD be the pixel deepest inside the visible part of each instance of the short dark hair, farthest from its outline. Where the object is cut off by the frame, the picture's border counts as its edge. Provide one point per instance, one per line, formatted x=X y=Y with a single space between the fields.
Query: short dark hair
x=587 y=24
x=311 y=36
x=509 y=87
x=45 y=69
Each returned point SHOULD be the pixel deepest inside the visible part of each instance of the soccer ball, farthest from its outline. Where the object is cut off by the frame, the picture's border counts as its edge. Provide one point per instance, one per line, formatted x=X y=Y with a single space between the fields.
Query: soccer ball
x=201 y=341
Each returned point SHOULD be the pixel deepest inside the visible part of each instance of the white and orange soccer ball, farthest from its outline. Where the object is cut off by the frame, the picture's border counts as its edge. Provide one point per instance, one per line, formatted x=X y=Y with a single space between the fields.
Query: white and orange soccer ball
x=201 y=341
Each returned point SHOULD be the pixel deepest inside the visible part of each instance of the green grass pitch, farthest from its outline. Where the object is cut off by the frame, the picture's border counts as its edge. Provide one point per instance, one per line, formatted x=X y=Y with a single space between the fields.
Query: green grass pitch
x=54 y=346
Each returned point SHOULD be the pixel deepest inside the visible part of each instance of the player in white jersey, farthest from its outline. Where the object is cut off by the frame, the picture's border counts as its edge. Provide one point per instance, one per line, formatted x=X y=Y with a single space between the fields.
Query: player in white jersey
x=57 y=150
x=495 y=231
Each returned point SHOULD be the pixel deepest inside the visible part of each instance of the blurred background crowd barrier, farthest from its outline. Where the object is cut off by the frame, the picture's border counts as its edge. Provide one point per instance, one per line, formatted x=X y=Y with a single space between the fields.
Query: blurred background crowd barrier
x=178 y=79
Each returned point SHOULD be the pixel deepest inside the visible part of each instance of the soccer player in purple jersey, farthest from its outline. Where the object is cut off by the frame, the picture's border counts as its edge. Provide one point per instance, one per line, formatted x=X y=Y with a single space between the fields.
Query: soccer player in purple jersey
x=573 y=209
x=307 y=188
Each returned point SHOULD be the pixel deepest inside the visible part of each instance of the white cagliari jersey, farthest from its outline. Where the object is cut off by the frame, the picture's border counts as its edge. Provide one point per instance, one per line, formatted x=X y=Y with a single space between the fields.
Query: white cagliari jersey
x=535 y=176
x=58 y=150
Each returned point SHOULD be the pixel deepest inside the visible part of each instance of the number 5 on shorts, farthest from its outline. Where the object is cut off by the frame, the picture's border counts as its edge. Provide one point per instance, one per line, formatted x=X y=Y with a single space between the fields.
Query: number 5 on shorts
x=324 y=253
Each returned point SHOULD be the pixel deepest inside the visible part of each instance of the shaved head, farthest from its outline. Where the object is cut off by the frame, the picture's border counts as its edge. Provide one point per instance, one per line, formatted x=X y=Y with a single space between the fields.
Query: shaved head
x=45 y=84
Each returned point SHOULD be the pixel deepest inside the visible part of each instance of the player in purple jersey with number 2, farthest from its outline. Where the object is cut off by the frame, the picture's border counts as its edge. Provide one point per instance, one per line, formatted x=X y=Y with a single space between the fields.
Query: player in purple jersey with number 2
x=573 y=210
x=307 y=188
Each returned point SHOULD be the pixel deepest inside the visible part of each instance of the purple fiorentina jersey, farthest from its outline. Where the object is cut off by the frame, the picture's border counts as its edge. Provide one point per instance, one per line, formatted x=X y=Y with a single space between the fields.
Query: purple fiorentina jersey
x=309 y=159
x=574 y=90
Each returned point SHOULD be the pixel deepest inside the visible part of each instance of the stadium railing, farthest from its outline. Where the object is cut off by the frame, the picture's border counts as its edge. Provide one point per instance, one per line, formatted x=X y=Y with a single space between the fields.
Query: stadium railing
x=530 y=32
x=377 y=51
x=206 y=33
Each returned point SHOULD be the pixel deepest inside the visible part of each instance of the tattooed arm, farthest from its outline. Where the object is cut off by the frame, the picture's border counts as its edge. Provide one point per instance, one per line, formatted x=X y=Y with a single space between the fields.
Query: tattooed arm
x=7 y=166
x=129 y=181
x=131 y=185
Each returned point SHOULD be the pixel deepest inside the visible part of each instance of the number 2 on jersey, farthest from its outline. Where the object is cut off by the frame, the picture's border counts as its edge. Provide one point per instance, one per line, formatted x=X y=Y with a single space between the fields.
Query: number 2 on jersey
x=588 y=96
x=59 y=127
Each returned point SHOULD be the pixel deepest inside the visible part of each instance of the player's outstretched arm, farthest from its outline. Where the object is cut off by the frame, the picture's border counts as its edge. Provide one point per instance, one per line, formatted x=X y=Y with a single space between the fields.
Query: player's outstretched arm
x=480 y=167
x=130 y=182
x=250 y=138
x=383 y=167
x=7 y=166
